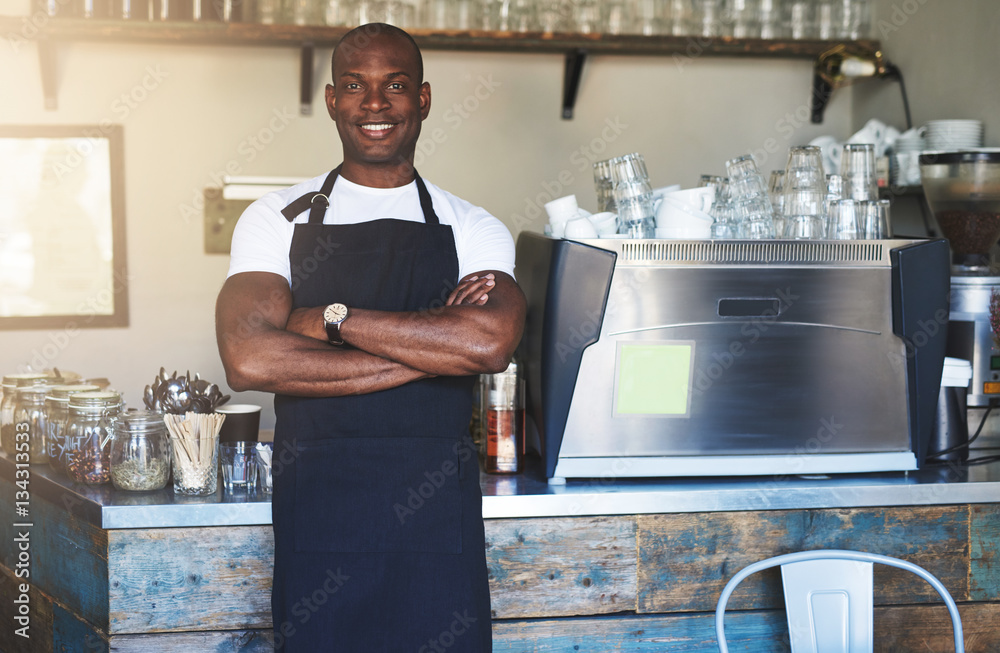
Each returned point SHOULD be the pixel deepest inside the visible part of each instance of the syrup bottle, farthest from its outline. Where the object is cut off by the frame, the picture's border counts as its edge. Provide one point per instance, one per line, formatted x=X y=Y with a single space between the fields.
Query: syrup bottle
x=503 y=414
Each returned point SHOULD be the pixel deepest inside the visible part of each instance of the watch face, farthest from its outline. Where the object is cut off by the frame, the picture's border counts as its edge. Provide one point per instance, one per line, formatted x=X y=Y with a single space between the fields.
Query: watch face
x=335 y=313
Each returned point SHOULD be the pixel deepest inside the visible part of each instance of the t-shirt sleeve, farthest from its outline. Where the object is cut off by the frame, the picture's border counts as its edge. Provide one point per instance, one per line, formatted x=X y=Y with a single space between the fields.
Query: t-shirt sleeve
x=261 y=241
x=486 y=244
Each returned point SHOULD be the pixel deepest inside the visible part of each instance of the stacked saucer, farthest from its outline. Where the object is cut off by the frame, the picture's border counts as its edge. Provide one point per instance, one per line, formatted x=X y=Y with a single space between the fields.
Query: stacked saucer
x=951 y=135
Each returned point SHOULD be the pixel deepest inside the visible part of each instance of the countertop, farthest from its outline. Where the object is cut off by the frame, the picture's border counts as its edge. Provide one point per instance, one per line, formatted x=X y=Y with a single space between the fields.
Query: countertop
x=529 y=495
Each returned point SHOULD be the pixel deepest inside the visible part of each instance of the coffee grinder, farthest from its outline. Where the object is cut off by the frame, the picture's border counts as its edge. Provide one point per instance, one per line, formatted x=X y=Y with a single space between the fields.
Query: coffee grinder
x=963 y=192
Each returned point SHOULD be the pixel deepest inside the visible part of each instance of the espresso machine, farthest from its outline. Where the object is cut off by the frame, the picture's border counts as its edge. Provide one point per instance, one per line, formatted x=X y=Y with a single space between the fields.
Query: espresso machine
x=963 y=192
x=670 y=358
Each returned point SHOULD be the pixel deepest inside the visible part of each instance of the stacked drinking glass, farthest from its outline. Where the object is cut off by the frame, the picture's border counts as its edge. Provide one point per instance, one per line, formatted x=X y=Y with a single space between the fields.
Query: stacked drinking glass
x=751 y=203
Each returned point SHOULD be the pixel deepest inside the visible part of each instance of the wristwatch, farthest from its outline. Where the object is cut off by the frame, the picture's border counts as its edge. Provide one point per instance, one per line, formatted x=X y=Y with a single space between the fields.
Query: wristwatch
x=333 y=316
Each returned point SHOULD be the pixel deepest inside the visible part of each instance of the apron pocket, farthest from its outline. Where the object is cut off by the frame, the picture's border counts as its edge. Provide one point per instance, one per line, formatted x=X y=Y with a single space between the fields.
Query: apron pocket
x=384 y=495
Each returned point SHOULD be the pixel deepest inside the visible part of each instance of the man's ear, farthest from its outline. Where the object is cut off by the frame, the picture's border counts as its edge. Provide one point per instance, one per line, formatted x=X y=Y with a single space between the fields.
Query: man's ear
x=331 y=102
x=425 y=100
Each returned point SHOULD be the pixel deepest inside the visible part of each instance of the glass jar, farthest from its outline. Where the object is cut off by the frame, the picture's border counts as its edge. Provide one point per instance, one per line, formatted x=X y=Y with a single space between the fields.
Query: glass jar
x=29 y=409
x=88 y=434
x=56 y=416
x=140 y=454
x=9 y=384
x=503 y=409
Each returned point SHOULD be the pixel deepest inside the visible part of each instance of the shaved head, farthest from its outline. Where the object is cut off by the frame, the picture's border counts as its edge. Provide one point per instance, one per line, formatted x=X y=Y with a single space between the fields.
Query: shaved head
x=363 y=36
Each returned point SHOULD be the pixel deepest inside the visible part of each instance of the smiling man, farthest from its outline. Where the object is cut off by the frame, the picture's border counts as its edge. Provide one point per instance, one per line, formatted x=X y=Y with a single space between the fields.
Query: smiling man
x=367 y=300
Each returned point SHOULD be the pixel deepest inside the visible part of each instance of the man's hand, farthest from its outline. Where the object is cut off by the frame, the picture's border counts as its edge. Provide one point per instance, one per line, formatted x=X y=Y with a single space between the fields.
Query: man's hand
x=472 y=290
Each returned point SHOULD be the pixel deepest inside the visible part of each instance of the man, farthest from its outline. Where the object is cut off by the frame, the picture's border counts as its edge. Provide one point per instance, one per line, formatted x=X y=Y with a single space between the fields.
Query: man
x=369 y=319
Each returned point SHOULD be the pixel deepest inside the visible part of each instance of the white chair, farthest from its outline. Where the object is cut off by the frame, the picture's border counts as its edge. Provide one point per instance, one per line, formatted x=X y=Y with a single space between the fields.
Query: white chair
x=828 y=599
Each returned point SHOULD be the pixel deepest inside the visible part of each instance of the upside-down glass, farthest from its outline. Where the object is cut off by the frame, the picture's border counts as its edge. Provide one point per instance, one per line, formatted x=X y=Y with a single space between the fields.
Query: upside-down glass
x=745 y=18
x=800 y=19
x=776 y=191
x=875 y=222
x=771 y=21
x=844 y=220
x=706 y=17
x=679 y=17
x=804 y=193
x=857 y=167
x=752 y=208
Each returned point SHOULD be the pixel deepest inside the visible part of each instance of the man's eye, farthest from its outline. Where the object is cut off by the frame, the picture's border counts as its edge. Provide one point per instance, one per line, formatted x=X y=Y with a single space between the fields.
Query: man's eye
x=396 y=86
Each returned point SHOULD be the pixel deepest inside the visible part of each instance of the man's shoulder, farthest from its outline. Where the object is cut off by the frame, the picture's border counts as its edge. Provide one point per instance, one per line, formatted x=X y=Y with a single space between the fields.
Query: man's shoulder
x=460 y=209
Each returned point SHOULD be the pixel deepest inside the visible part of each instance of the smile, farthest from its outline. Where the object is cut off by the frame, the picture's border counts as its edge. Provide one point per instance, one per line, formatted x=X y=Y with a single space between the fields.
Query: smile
x=377 y=128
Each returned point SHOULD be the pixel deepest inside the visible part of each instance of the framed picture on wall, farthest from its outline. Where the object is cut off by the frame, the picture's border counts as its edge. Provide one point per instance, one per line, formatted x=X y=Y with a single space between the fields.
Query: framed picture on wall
x=62 y=227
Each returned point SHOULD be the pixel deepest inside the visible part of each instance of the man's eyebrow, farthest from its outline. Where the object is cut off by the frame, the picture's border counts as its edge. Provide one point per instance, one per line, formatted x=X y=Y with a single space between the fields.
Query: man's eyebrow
x=394 y=75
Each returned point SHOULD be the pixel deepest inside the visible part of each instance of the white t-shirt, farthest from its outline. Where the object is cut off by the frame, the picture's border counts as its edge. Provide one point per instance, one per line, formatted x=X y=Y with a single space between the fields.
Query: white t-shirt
x=263 y=237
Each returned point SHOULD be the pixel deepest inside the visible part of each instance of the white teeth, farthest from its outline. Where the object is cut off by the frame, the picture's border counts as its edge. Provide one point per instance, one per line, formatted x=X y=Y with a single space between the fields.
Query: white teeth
x=376 y=128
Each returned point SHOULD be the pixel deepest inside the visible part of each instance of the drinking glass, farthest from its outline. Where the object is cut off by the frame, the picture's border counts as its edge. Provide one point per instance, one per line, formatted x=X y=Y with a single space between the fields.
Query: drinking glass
x=706 y=17
x=800 y=19
x=679 y=17
x=745 y=17
x=874 y=217
x=804 y=193
x=723 y=225
x=854 y=19
x=633 y=196
x=751 y=204
x=587 y=16
x=834 y=191
x=648 y=17
x=238 y=463
x=844 y=220
x=776 y=191
x=857 y=167
x=614 y=17
x=770 y=19
x=826 y=20
x=552 y=15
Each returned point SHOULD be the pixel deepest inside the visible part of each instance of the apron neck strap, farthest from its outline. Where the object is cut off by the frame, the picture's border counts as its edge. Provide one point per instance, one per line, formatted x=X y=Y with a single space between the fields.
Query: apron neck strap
x=319 y=201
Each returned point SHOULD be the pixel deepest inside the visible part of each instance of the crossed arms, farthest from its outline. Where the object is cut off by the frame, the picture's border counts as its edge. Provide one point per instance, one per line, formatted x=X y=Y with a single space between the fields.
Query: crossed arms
x=266 y=346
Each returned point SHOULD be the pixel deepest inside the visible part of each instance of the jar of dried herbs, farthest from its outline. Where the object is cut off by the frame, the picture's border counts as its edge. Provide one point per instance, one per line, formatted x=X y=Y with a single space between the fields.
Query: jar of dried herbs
x=88 y=436
x=140 y=454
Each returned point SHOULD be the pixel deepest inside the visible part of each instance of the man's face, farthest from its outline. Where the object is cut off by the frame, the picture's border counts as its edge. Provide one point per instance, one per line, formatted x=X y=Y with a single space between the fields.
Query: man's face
x=377 y=100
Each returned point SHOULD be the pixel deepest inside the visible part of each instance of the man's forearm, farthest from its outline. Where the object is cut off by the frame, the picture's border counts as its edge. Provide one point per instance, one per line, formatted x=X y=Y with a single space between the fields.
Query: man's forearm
x=259 y=354
x=284 y=363
x=451 y=340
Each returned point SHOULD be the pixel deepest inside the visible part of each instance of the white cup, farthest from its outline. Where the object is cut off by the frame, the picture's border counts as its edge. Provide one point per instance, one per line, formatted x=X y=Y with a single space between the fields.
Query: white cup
x=674 y=213
x=605 y=223
x=580 y=228
x=563 y=209
x=700 y=198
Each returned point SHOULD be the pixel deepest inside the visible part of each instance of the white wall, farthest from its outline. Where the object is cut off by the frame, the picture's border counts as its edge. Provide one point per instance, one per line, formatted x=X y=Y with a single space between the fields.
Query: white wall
x=686 y=117
x=949 y=51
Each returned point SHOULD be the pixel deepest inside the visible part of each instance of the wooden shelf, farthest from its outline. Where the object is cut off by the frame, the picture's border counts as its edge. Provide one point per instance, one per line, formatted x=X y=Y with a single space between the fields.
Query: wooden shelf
x=576 y=47
x=215 y=33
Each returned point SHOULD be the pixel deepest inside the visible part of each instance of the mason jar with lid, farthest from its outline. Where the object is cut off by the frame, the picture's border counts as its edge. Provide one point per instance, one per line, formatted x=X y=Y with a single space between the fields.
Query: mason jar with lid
x=140 y=453
x=7 y=432
x=29 y=418
x=88 y=435
x=56 y=417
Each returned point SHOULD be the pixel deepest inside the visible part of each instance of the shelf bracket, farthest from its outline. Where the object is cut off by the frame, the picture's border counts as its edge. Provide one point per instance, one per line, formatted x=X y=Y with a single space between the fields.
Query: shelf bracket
x=48 y=67
x=571 y=80
x=306 y=79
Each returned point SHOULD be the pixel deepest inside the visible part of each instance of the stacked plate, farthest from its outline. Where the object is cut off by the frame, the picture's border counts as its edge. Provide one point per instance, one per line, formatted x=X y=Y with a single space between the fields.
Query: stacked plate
x=954 y=134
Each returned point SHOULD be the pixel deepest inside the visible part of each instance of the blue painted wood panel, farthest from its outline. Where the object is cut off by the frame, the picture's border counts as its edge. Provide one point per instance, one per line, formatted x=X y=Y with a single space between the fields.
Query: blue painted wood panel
x=686 y=559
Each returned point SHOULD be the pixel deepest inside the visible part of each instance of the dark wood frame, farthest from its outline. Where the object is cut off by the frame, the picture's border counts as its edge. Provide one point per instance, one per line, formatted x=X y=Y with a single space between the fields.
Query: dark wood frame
x=120 y=315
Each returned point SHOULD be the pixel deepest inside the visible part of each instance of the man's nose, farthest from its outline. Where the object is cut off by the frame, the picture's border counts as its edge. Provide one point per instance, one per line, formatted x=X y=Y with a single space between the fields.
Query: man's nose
x=376 y=100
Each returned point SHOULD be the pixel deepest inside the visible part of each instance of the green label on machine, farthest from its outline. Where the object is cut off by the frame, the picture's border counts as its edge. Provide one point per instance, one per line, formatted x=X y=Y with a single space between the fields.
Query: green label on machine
x=654 y=378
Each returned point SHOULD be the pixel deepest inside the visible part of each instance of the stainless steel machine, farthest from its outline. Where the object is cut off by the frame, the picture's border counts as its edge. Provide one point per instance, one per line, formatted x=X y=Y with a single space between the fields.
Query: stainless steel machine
x=656 y=358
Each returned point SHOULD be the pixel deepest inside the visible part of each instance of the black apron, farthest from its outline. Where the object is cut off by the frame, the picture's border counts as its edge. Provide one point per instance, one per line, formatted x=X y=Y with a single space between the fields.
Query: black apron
x=377 y=511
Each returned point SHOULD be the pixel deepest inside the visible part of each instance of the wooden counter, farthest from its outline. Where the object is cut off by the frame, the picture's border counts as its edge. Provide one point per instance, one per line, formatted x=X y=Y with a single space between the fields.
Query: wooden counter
x=638 y=582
